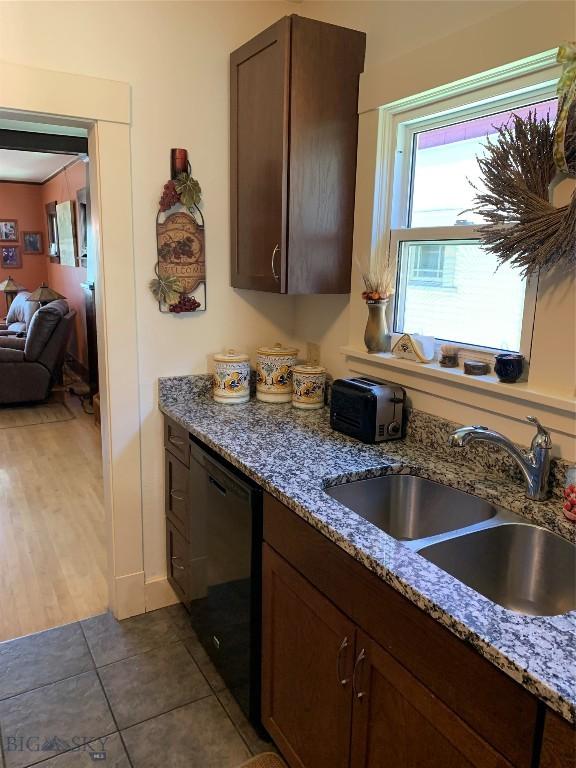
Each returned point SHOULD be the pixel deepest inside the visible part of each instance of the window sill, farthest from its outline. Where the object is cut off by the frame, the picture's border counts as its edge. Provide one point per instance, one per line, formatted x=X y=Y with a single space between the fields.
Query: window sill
x=455 y=377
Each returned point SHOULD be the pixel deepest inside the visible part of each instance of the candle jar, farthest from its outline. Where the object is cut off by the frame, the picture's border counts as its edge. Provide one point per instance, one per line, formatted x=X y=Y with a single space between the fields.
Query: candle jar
x=508 y=367
x=309 y=386
x=231 y=380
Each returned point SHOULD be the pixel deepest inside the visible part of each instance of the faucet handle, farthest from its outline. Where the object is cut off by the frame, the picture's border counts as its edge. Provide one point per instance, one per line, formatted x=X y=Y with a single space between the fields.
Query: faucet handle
x=542 y=437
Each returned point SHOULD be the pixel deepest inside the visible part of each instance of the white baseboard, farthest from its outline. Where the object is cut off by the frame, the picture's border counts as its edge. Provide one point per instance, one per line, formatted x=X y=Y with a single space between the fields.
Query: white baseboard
x=133 y=595
x=129 y=597
x=159 y=594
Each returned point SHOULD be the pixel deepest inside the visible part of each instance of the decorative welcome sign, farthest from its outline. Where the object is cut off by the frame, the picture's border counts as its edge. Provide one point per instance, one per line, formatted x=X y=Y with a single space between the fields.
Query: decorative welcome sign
x=180 y=283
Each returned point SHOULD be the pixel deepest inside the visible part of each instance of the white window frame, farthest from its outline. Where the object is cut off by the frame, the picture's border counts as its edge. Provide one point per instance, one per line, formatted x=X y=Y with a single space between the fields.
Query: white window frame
x=462 y=233
x=397 y=125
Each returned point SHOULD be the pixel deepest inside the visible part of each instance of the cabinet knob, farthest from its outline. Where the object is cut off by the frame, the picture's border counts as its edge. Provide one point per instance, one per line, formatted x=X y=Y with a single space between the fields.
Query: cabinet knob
x=274 y=252
x=176 y=565
x=178 y=495
x=177 y=441
x=342 y=680
x=357 y=692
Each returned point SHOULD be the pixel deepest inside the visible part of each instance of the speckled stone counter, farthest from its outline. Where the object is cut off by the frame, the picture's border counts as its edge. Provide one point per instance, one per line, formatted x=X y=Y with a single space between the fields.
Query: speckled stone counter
x=295 y=455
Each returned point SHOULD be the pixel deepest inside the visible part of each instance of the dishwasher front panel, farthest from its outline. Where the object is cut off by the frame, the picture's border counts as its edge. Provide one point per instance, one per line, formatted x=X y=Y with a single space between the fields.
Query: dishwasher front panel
x=225 y=556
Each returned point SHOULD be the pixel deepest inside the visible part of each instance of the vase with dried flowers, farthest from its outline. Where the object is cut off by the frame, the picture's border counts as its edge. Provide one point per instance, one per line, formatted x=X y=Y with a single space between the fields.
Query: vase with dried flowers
x=378 y=290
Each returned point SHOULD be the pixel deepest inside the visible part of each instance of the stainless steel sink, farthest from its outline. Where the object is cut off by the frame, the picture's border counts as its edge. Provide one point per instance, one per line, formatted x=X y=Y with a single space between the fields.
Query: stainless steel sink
x=518 y=565
x=409 y=507
x=521 y=567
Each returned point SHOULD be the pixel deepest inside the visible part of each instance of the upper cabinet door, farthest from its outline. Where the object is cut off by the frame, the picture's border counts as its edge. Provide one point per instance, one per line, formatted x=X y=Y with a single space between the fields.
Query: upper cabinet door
x=293 y=140
x=326 y=63
x=259 y=78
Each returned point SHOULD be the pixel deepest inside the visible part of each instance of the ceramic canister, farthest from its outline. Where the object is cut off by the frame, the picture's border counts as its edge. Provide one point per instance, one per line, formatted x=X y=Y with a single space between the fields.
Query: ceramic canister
x=231 y=381
x=274 y=373
x=309 y=386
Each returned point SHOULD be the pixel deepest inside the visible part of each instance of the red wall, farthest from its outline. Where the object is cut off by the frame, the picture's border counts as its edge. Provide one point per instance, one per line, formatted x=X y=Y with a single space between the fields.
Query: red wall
x=67 y=280
x=27 y=204
x=24 y=203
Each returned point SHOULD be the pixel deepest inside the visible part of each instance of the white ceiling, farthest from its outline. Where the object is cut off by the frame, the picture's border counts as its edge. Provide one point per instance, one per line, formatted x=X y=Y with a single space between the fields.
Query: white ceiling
x=17 y=165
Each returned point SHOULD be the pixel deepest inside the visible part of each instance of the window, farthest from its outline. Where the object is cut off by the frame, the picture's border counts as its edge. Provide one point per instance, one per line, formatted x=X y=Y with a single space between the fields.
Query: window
x=427 y=264
x=448 y=285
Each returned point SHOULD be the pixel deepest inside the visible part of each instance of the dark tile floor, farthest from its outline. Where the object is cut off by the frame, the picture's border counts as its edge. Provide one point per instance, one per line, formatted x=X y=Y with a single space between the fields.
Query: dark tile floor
x=140 y=693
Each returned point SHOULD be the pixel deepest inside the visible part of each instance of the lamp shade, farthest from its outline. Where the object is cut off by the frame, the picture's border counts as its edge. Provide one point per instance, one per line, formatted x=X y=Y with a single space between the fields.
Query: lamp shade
x=10 y=286
x=44 y=294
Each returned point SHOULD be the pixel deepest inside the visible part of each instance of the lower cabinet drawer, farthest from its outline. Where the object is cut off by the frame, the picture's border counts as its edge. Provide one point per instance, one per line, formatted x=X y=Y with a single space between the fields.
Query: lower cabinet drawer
x=176 y=493
x=176 y=440
x=178 y=562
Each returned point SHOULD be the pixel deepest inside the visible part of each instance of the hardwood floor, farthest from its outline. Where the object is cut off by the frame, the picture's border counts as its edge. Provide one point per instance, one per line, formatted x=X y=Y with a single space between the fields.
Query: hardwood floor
x=52 y=533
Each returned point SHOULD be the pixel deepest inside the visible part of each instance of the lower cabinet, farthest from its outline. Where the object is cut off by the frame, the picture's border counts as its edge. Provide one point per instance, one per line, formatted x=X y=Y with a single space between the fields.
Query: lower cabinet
x=333 y=698
x=308 y=656
x=558 y=743
x=398 y=722
x=353 y=674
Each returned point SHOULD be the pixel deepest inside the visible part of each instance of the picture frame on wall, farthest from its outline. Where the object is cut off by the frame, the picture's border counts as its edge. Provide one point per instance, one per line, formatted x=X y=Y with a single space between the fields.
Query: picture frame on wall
x=52 y=228
x=82 y=221
x=9 y=230
x=67 y=233
x=32 y=242
x=10 y=257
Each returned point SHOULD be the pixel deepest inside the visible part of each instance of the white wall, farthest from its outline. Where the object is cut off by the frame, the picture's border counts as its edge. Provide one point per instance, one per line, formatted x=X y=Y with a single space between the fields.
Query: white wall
x=175 y=58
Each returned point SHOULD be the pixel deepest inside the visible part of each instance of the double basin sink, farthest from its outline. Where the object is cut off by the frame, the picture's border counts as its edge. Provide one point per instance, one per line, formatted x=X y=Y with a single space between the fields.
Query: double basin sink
x=520 y=566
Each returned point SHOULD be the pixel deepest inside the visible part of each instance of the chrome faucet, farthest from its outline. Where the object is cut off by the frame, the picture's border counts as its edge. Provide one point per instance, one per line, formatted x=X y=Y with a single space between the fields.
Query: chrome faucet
x=535 y=463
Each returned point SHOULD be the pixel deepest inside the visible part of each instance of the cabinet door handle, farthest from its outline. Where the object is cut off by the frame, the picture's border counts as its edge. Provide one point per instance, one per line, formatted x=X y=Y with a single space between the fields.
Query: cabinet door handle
x=343 y=681
x=274 y=252
x=178 y=495
x=357 y=692
x=175 y=564
x=177 y=441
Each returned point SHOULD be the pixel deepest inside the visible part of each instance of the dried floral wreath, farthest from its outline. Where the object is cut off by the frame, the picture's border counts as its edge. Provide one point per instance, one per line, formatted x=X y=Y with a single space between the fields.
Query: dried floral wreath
x=527 y=156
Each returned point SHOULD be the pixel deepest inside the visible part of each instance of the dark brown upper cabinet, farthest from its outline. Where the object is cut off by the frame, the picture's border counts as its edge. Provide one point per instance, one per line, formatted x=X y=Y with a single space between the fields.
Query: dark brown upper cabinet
x=293 y=141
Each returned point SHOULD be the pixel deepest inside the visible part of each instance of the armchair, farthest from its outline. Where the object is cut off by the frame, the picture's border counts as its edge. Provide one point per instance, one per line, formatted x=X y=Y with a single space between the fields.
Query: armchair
x=29 y=366
x=19 y=315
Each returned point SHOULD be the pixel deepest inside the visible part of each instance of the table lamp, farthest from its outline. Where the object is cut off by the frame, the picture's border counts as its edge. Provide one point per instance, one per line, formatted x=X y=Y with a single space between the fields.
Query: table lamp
x=10 y=288
x=44 y=295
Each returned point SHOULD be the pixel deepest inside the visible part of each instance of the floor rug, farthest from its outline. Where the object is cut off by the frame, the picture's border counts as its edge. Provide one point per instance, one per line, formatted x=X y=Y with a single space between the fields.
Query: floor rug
x=28 y=416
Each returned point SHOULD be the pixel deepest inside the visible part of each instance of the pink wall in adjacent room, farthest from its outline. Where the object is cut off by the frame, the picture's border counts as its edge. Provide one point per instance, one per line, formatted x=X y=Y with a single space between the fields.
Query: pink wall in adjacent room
x=24 y=203
x=67 y=280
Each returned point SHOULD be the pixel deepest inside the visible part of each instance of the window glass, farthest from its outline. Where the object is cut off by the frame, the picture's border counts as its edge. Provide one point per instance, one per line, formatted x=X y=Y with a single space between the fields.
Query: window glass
x=444 y=164
x=455 y=290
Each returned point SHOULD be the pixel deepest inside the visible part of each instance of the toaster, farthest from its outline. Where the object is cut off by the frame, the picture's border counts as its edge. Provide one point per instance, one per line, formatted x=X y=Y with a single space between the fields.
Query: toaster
x=369 y=410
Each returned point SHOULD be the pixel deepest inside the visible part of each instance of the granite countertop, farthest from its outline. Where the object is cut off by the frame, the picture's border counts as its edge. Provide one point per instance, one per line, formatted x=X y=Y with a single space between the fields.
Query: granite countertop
x=295 y=455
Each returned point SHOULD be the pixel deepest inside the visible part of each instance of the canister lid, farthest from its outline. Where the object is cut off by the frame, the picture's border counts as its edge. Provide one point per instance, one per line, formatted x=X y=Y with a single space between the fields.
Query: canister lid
x=308 y=368
x=278 y=349
x=231 y=356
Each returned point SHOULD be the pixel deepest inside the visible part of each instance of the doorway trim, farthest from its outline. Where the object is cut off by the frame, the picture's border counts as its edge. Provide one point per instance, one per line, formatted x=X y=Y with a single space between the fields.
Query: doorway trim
x=103 y=106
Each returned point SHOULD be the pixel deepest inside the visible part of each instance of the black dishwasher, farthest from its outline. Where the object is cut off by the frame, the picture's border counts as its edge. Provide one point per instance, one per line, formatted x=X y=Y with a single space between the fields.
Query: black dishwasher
x=226 y=572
